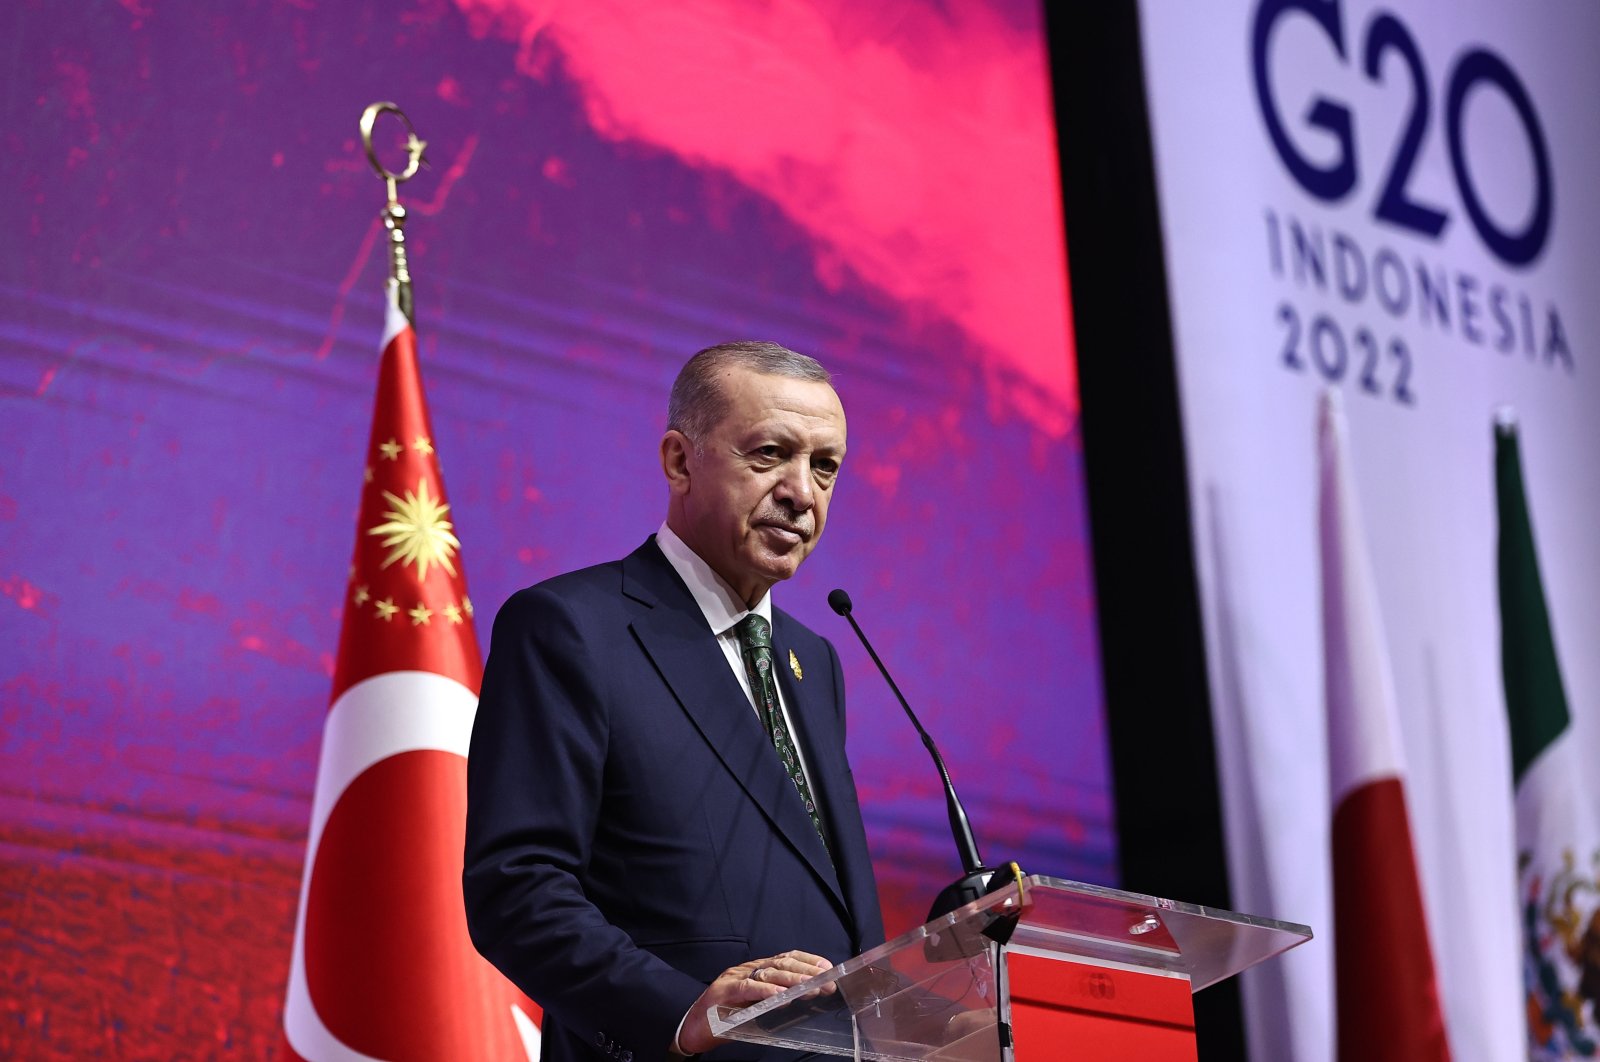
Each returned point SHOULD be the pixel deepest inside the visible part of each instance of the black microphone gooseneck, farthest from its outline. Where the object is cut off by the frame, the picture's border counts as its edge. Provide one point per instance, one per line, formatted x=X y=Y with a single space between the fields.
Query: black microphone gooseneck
x=975 y=882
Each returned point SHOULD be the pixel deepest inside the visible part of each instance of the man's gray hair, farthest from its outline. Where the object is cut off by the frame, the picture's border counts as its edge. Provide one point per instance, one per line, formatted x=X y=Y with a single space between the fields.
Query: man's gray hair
x=698 y=402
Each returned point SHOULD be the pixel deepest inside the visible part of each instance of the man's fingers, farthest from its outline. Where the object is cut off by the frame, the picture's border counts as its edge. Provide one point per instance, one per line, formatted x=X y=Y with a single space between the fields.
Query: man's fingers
x=807 y=958
x=768 y=977
x=798 y=962
x=802 y=964
x=748 y=983
x=773 y=975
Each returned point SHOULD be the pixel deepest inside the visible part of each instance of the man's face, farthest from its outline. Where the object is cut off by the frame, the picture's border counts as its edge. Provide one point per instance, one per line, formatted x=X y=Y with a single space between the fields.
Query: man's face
x=754 y=501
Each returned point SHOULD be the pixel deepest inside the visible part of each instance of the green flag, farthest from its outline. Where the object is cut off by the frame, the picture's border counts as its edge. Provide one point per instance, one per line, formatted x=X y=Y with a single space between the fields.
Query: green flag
x=1558 y=850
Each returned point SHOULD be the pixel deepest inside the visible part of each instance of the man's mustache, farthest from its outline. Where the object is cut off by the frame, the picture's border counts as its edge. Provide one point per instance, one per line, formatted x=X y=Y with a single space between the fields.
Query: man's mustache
x=801 y=526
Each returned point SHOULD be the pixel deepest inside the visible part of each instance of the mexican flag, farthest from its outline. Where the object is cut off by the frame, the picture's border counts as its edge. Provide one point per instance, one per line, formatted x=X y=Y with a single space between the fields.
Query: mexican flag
x=1558 y=848
x=382 y=966
x=1386 y=991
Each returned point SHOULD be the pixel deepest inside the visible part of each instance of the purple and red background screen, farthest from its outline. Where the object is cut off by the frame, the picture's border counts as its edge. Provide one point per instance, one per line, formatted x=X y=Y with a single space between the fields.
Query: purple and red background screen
x=190 y=310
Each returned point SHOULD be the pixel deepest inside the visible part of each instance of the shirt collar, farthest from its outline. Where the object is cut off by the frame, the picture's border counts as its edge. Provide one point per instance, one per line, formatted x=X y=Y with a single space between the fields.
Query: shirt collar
x=718 y=603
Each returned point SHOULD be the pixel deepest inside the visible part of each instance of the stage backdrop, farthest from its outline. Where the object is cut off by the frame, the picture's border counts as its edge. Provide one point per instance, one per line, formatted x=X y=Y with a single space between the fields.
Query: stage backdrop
x=1396 y=201
x=190 y=312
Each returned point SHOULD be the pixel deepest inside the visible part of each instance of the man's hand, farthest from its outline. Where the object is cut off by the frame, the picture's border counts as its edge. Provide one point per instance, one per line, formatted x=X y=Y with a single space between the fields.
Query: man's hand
x=742 y=985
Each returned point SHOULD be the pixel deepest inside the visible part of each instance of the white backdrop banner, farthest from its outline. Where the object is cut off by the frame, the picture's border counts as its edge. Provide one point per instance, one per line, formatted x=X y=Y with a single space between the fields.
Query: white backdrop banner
x=1399 y=202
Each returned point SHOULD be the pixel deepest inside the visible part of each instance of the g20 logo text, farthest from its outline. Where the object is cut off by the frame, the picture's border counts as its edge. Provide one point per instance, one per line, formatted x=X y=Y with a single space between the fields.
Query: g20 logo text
x=1386 y=35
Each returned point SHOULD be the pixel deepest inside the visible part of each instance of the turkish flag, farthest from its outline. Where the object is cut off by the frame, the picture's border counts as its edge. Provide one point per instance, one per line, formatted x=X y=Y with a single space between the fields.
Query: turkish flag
x=382 y=966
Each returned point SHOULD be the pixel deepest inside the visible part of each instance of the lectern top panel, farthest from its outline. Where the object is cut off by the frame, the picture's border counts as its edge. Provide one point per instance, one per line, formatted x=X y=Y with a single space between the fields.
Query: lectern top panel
x=936 y=993
x=1204 y=944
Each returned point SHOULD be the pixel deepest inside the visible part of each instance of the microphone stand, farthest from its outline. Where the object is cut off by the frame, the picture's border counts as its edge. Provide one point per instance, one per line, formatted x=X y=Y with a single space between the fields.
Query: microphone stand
x=977 y=879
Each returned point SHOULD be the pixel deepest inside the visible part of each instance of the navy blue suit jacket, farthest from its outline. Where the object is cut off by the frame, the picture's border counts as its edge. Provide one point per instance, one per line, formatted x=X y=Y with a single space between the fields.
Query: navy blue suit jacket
x=630 y=830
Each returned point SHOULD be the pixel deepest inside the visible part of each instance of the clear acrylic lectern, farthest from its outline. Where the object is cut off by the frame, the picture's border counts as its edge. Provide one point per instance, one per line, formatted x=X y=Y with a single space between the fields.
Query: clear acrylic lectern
x=947 y=991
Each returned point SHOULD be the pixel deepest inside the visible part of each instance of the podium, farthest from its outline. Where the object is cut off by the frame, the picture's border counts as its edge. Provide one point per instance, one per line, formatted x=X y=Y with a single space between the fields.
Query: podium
x=1042 y=969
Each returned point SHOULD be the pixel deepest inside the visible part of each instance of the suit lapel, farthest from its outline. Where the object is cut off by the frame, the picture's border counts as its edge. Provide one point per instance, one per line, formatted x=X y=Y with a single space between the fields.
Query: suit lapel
x=674 y=635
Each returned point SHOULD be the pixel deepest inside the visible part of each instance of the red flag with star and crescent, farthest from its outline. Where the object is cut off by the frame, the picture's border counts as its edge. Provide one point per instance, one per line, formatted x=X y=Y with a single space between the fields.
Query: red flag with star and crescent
x=382 y=966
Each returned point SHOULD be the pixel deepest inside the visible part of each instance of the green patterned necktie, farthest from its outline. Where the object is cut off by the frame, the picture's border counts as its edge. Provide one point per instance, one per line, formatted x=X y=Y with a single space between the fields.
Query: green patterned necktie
x=755 y=645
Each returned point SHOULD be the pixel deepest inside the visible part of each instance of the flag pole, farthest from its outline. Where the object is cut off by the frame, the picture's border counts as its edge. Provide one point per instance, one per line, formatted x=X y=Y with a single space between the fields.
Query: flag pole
x=394 y=215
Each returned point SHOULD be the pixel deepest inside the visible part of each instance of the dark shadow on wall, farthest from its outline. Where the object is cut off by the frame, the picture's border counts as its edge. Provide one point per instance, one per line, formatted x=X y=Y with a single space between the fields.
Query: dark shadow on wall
x=1168 y=810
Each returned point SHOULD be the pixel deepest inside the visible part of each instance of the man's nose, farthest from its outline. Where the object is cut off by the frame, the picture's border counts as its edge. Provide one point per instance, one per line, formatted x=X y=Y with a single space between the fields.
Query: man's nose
x=794 y=488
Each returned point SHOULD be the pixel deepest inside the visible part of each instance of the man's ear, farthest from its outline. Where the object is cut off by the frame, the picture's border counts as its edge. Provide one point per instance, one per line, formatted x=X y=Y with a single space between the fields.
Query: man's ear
x=675 y=447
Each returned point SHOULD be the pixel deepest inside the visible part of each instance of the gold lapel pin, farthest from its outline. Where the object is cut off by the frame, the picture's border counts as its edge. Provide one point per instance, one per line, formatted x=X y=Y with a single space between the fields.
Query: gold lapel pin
x=794 y=665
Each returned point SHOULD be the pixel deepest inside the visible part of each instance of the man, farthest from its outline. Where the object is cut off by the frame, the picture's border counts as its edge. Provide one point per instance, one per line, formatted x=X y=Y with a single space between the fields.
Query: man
x=654 y=826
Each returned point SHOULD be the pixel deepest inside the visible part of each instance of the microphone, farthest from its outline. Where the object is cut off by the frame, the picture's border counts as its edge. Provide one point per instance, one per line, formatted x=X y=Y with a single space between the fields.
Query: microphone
x=974 y=883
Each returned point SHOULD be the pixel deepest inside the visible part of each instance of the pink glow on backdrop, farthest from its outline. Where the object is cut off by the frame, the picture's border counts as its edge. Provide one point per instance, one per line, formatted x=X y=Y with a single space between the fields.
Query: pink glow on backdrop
x=915 y=145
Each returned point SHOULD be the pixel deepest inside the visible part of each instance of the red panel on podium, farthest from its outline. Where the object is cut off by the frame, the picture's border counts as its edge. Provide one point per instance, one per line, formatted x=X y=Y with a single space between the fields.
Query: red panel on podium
x=1097 y=1012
